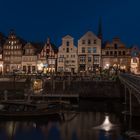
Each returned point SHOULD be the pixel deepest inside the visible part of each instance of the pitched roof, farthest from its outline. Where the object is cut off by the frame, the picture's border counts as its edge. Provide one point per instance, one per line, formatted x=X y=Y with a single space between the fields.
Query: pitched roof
x=67 y=37
x=89 y=34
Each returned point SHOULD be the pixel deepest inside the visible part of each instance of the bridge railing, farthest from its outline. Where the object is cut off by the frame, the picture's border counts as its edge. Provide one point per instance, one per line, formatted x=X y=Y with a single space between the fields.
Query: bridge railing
x=131 y=79
x=132 y=82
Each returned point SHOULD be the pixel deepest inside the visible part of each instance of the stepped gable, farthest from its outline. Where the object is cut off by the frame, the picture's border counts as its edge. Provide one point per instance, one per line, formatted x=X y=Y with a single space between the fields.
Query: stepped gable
x=52 y=45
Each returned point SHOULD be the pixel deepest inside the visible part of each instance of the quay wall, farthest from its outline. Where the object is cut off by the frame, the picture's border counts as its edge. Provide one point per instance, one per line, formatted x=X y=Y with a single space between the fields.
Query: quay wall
x=107 y=89
x=9 y=85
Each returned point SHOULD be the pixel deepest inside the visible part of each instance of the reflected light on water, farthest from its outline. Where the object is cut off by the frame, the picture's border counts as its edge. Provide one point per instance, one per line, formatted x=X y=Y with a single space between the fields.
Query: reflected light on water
x=34 y=125
x=106 y=125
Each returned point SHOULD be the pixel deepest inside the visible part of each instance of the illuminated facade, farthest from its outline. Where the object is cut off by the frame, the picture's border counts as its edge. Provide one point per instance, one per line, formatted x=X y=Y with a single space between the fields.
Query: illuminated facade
x=29 y=59
x=67 y=56
x=1 y=61
x=89 y=57
x=12 y=53
x=116 y=55
x=135 y=60
x=47 y=58
x=89 y=53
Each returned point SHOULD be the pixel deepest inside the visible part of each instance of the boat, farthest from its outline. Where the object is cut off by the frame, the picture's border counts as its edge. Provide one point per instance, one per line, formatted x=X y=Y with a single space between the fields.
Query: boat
x=22 y=109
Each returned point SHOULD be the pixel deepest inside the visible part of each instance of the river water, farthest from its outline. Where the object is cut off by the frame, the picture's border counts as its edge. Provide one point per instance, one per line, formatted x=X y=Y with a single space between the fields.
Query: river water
x=93 y=120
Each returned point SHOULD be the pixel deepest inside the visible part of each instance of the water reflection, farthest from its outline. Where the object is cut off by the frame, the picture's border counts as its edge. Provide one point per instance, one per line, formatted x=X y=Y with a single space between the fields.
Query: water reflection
x=74 y=127
x=106 y=125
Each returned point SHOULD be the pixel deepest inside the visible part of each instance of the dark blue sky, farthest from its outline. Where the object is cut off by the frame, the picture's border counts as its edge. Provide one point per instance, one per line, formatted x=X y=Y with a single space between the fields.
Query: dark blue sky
x=34 y=20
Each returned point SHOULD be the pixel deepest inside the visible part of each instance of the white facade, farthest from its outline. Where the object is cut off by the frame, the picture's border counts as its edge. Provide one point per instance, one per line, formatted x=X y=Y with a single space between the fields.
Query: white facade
x=67 y=56
x=89 y=52
x=29 y=59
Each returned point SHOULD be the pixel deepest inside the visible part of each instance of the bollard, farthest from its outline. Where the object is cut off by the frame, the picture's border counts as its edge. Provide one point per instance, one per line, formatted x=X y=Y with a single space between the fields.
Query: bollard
x=64 y=85
x=5 y=95
x=53 y=85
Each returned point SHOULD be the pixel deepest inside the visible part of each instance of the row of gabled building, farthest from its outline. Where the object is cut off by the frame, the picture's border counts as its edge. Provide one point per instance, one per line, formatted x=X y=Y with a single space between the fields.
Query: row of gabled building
x=89 y=56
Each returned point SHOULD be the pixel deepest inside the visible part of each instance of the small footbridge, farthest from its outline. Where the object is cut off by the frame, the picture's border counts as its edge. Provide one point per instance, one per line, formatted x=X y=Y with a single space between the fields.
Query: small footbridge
x=132 y=84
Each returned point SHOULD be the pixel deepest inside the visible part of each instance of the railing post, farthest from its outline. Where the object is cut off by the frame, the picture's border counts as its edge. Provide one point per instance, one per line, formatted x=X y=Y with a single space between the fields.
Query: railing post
x=130 y=102
x=64 y=85
x=125 y=94
x=53 y=85
x=125 y=103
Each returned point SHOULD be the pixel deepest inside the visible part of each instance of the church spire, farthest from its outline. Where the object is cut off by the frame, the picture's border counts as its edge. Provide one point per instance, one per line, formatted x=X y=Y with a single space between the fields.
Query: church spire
x=48 y=40
x=100 y=29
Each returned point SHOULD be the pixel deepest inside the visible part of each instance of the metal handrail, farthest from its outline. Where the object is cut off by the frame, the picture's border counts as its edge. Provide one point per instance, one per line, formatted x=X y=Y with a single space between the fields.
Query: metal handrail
x=132 y=83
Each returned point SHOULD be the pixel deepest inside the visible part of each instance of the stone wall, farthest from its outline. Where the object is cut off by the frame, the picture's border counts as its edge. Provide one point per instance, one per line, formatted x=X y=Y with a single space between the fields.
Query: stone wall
x=84 y=88
x=9 y=85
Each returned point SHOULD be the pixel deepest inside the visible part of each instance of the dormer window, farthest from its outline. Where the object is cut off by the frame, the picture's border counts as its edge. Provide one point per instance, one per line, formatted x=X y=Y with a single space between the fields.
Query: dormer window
x=67 y=43
x=89 y=42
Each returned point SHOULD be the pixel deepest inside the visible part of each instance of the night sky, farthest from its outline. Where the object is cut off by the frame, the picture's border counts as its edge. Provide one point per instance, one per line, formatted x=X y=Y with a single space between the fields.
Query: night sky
x=35 y=20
